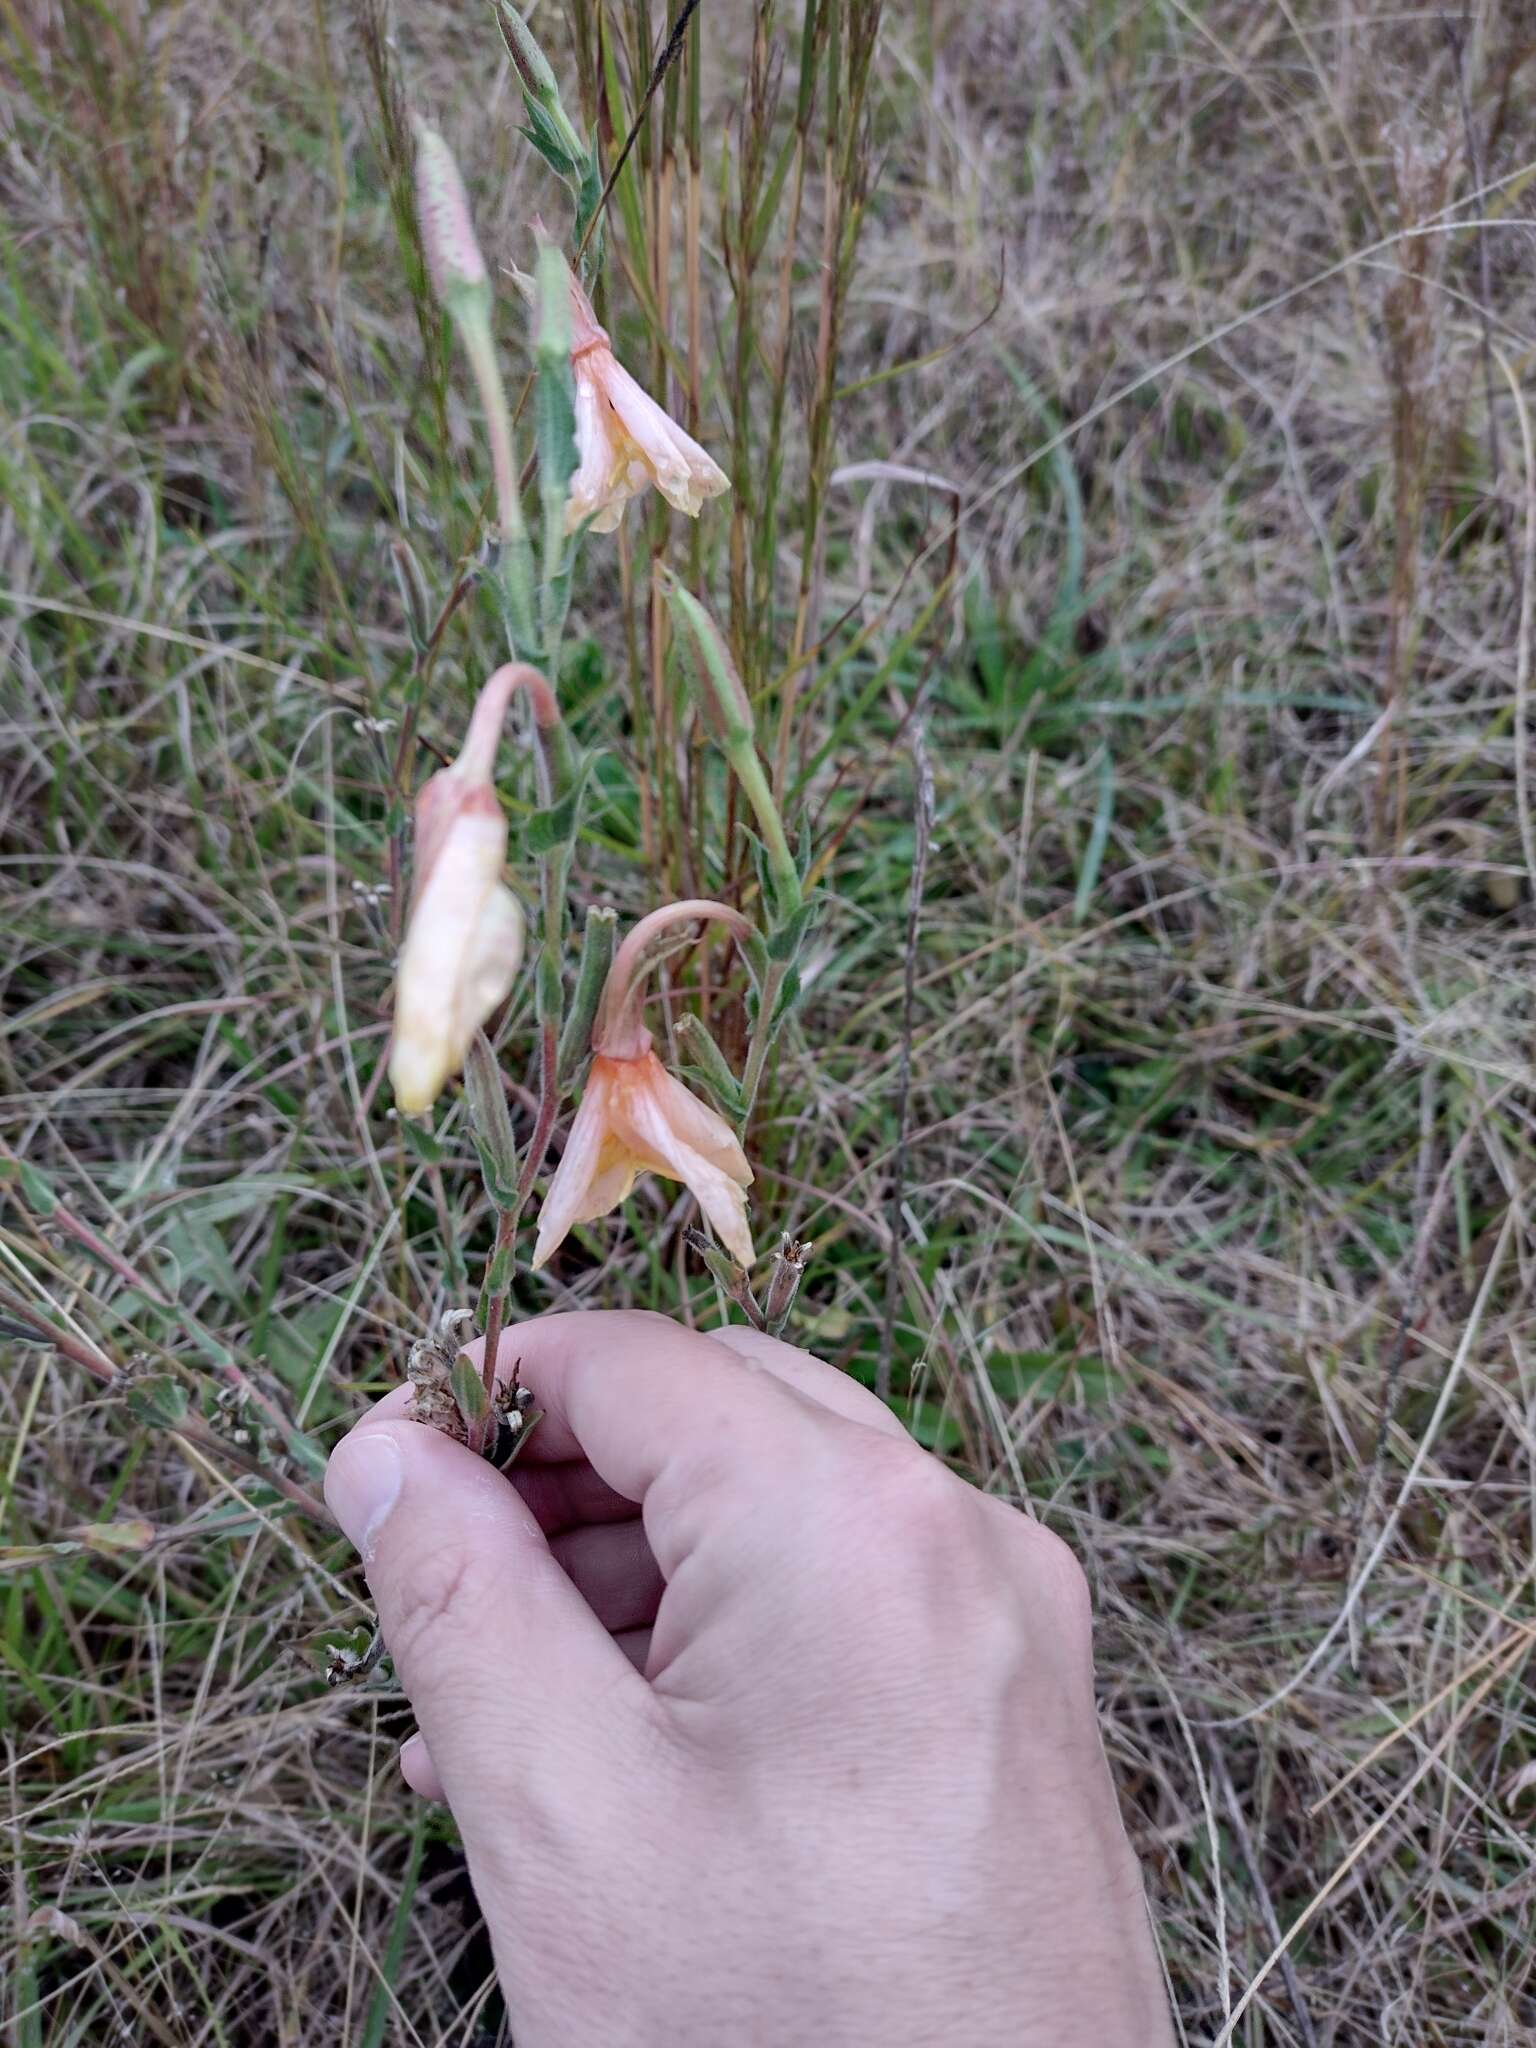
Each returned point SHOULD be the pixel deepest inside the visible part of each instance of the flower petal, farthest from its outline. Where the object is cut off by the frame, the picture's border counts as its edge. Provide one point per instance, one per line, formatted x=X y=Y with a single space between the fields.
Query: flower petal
x=564 y=1204
x=683 y=472
x=646 y=1115
x=724 y=1205
x=702 y=1129
x=616 y=1173
x=462 y=950
x=601 y=487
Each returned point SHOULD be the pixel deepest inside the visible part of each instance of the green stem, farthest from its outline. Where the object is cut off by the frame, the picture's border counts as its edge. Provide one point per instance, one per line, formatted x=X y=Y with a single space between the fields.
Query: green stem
x=781 y=862
x=762 y=1038
x=494 y=1313
x=515 y=569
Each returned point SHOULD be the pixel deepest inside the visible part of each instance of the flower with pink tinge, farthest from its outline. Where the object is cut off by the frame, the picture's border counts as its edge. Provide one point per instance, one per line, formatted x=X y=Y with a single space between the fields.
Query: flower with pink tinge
x=624 y=440
x=464 y=939
x=637 y=1118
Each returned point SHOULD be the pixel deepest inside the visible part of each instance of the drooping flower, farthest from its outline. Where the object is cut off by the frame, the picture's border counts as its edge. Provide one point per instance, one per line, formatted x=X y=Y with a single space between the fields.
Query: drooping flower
x=464 y=939
x=624 y=439
x=637 y=1118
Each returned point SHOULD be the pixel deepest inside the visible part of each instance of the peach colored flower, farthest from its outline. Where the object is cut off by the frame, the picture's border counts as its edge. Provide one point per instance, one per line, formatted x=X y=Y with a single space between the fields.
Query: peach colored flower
x=624 y=440
x=637 y=1118
x=464 y=940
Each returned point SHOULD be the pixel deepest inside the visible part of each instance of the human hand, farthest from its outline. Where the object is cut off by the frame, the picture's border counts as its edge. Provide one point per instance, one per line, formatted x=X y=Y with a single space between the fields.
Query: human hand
x=759 y=1725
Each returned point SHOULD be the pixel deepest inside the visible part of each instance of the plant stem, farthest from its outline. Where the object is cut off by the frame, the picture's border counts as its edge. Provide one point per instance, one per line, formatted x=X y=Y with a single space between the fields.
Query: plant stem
x=762 y=1038
x=496 y=1310
x=781 y=862
x=553 y=769
x=507 y=1220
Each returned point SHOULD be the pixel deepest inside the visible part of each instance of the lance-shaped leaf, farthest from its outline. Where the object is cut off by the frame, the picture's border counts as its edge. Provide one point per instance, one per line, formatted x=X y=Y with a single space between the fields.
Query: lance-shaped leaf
x=492 y=1122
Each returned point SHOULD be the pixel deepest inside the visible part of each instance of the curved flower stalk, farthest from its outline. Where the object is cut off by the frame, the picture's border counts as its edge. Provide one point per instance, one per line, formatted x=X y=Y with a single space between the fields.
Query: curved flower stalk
x=464 y=941
x=624 y=439
x=637 y=1118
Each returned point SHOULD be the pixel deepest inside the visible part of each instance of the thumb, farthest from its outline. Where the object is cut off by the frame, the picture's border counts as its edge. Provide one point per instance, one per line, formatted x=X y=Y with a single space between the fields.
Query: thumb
x=487 y=1633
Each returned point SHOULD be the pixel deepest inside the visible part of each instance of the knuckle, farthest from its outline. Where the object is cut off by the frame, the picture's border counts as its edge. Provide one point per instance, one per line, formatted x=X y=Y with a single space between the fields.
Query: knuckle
x=924 y=1511
x=1055 y=1576
x=916 y=1500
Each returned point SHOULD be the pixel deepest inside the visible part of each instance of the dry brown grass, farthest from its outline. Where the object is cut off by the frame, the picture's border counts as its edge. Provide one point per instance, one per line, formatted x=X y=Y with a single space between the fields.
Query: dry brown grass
x=1212 y=1241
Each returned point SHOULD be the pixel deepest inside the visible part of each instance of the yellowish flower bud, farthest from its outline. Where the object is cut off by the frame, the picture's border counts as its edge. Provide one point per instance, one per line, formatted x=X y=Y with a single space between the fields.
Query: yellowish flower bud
x=464 y=940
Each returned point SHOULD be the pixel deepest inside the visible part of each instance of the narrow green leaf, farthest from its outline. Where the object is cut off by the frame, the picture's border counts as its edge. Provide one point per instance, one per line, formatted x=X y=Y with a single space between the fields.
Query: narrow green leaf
x=1098 y=839
x=422 y=1143
x=469 y=1395
x=596 y=955
x=492 y=1120
x=36 y=1189
x=382 y=2006
x=558 y=825
x=709 y=1065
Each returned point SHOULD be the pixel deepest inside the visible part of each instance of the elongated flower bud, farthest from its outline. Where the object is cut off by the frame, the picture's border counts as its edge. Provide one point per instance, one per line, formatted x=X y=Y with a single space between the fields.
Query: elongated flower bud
x=717 y=687
x=442 y=211
x=551 y=129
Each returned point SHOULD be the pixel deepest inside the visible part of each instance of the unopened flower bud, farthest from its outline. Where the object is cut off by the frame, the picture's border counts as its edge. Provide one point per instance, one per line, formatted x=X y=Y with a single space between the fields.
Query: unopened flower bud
x=552 y=131
x=533 y=68
x=718 y=689
x=442 y=211
x=464 y=942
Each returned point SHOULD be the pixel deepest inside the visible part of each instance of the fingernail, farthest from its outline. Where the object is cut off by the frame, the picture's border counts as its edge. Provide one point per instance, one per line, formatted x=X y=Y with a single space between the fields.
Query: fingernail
x=362 y=1484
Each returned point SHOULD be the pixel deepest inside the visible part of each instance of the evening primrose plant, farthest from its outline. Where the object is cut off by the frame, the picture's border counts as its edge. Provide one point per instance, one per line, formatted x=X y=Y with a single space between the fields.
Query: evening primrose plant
x=600 y=442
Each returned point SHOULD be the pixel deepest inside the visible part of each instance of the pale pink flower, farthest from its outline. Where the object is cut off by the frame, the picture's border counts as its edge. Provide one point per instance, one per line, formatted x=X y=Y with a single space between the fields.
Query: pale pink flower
x=464 y=939
x=637 y=1118
x=624 y=440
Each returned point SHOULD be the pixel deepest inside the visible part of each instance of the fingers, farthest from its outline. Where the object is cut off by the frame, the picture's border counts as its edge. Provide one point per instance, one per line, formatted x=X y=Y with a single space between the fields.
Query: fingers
x=615 y=1571
x=485 y=1628
x=678 y=1421
x=418 y=1769
x=567 y=1495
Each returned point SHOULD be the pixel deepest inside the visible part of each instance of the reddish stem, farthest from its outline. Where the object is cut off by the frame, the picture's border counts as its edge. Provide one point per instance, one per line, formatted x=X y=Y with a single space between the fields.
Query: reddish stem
x=620 y=1030
x=507 y=1219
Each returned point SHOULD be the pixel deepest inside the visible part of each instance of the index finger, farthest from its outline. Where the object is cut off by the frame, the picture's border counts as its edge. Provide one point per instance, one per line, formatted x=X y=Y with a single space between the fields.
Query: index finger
x=666 y=1416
